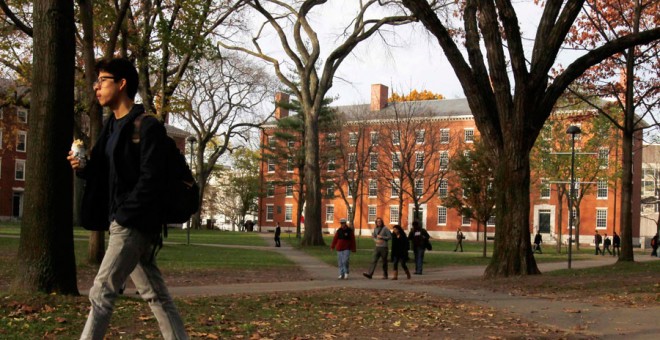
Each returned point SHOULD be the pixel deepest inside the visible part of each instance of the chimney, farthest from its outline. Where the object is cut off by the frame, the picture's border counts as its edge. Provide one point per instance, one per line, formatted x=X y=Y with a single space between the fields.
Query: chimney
x=281 y=98
x=379 y=94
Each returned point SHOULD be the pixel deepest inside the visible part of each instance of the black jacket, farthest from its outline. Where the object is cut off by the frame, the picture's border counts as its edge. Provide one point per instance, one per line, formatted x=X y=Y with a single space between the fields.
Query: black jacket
x=136 y=196
x=400 y=247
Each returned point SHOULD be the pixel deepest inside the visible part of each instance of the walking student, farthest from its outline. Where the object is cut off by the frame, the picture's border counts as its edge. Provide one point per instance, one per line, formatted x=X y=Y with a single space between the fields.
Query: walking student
x=400 y=247
x=344 y=243
x=597 y=241
x=381 y=236
x=418 y=236
x=124 y=193
x=654 y=245
x=616 y=244
x=606 y=245
x=278 y=232
x=537 y=242
x=459 y=239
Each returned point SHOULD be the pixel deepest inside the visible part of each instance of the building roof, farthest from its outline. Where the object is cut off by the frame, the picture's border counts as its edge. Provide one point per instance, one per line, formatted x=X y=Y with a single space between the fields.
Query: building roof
x=173 y=131
x=443 y=109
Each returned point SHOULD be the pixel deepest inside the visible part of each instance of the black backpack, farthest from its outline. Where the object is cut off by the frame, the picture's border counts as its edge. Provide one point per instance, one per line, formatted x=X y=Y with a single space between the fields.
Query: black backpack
x=181 y=192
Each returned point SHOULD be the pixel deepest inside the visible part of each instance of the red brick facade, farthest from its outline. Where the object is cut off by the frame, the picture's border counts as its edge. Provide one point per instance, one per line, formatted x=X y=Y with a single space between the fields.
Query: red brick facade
x=454 y=117
x=13 y=152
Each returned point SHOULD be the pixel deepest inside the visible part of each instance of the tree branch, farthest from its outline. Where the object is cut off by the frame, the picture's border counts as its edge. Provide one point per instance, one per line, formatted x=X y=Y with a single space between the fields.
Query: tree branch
x=17 y=22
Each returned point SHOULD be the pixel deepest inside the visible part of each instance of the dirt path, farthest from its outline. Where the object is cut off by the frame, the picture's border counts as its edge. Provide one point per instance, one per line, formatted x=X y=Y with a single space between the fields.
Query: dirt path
x=583 y=319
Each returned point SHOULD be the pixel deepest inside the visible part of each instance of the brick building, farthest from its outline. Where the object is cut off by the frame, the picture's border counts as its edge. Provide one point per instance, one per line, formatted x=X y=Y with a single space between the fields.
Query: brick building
x=435 y=129
x=13 y=151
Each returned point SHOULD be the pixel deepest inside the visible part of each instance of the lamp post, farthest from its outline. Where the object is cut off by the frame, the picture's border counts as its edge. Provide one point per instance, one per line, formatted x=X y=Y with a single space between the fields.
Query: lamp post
x=192 y=140
x=572 y=130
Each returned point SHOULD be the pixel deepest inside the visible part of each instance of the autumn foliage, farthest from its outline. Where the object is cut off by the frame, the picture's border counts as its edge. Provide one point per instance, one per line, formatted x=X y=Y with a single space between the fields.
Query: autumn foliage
x=415 y=95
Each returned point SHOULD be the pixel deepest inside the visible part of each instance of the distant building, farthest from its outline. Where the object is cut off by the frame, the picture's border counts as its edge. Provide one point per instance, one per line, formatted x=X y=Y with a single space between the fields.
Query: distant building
x=650 y=212
x=446 y=122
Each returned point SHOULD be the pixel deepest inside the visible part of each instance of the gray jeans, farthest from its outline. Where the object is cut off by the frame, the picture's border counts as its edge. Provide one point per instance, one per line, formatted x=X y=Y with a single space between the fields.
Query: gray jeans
x=130 y=253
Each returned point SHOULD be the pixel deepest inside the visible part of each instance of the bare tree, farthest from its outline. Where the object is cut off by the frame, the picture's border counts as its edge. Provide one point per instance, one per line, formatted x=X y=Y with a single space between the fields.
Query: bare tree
x=313 y=76
x=511 y=96
x=221 y=101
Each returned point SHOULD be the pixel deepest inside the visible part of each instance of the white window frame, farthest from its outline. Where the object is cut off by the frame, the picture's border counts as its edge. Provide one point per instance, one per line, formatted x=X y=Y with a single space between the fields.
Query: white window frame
x=371 y=218
x=331 y=165
x=332 y=139
x=22 y=134
x=396 y=161
x=289 y=165
x=468 y=135
x=545 y=187
x=602 y=186
x=444 y=155
x=288 y=213
x=443 y=188
x=19 y=163
x=442 y=211
x=289 y=190
x=352 y=161
x=373 y=138
x=394 y=214
x=329 y=212
x=270 y=165
x=420 y=136
x=373 y=161
x=396 y=137
x=395 y=186
x=271 y=141
x=444 y=136
x=601 y=221
x=22 y=112
x=291 y=144
x=604 y=157
x=419 y=187
x=270 y=209
x=330 y=189
x=373 y=185
x=469 y=221
x=419 y=165
x=270 y=189
x=352 y=139
x=491 y=221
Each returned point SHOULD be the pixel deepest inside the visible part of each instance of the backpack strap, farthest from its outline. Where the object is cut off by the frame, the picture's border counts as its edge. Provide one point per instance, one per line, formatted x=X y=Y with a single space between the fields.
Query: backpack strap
x=137 y=123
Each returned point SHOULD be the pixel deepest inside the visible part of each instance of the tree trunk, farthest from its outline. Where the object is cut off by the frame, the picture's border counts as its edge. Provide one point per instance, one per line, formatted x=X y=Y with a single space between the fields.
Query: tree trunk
x=485 y=224
x=313 y=232
x=560 y=220
x=626 y=198
x=512 y=253
x=46 y=256
x=301 y=198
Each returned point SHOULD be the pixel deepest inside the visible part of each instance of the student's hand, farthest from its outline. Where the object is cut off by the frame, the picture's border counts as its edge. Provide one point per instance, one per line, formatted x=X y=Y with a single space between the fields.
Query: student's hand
x=75 y=163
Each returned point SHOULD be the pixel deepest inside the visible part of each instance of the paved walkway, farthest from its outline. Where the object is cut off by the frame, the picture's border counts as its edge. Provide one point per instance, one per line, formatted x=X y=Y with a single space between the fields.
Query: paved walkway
x=591 y=320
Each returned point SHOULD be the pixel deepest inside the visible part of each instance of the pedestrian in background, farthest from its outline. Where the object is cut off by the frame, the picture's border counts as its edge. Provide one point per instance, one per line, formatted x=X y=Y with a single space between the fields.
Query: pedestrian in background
x=400 y=247
x=418 y=236
x=537 y=242
x=597 y=241
x=344 y=243
x=381 y=236
x=606 y=245
x=616 y=244
x=459 y=239
x=278 y=231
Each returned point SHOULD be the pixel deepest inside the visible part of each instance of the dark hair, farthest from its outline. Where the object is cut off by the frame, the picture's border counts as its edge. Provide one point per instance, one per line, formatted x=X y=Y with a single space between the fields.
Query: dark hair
x=415 y=224
x=398 y=227
x=121 y=68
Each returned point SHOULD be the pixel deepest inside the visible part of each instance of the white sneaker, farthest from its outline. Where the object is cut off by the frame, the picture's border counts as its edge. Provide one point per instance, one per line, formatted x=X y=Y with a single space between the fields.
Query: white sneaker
x=346 y=276
x=340 y=277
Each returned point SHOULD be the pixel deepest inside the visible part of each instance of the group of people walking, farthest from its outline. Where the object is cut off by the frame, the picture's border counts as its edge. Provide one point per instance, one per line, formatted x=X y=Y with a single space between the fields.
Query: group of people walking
x=615 y=243
x=418 y=239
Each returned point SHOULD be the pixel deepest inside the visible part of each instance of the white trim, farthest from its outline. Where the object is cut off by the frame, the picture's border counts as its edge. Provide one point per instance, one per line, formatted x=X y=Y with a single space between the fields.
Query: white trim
x=18 y=135
x=397 y=214
x=438 y=217
x=326 y=213
x=375 y=213
x=266 y=212
x=597 y=210
x=16 y=162
x=286 y=206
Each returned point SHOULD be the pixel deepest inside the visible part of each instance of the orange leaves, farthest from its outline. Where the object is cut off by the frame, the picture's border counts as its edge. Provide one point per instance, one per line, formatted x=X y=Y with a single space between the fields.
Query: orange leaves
x=415 y=95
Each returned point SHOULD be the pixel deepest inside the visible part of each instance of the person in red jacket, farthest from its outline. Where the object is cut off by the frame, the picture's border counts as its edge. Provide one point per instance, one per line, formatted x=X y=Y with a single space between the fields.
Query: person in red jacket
x=344 y=243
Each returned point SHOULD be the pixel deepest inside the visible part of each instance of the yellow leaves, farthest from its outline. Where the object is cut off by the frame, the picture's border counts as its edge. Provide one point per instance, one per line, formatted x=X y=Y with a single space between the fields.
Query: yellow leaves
x=415 y=95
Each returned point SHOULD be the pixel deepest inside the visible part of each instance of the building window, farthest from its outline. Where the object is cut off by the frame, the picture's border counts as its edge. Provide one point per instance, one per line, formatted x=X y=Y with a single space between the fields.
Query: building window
x=394 y=214
x=351 y=187
x=395 y=185
x=602 y=189
x=270 y=212
x=419 y=136
x=329 y=213
x=19 y=173
x=330 y=193
x=22 y=115
x=289 y=190
x=491 y=221
x=291 y=144
x=373 y=188
x=442 y=215
x=21 y=141
x=352 y=138
x=419 y=160
x=465 y=220
x=443 y=188
x=331 y=139
x=604 y=157
x=469 y=135
x=444 y=160
x=648 y=182
x=271 y=141
x=396 y=161
x=576 y=188
x=270 y=189
x=545 y=189
x=601 y=218
x=371 y=216
x=349 y=212
x=288 y=213
x=419 y=187
x=331 y=164
x=396 y=137
x=289 y=164
x=352 y=161
x=271 y=165
x=444 y=136
x=373 y=162
x=374 y=138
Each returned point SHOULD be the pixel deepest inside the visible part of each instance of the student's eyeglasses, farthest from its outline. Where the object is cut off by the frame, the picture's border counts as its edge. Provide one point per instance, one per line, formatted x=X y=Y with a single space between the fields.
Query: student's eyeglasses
x=100 y=80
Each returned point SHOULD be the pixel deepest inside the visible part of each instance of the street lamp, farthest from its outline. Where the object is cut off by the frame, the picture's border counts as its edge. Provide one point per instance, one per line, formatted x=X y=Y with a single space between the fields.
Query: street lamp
x=192 y=140
x=572 y=130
